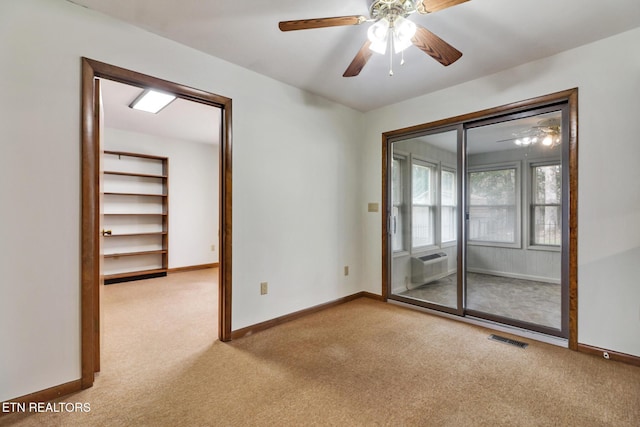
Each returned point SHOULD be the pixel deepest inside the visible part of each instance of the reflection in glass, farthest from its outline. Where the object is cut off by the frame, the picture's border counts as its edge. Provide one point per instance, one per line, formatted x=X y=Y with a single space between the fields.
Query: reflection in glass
x=492 y=205
x=546 y=207
x=422 y=203
x=397 y=241
x=448 y=201
x=513 y=264
x=424 y=219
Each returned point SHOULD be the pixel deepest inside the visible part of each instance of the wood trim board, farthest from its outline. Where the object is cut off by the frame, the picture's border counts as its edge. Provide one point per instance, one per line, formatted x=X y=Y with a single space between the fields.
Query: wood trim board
x=193 y=267
x=48 y=394
x=608 y=354
x=258 y=327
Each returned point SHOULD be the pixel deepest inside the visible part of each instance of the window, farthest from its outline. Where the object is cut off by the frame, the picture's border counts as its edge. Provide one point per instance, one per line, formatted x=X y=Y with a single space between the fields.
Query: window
x=448 y=202
x=397 y=196
x=546 y=205
x=423 y=204
x=493 y=205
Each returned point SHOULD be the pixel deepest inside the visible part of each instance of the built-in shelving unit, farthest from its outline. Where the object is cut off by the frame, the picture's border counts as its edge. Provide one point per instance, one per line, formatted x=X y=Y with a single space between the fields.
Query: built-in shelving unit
x=135 y=216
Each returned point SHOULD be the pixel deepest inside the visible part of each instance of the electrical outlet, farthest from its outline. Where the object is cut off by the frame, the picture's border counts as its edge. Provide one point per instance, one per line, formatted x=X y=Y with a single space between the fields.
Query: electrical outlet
x=346 y=270
x=264 y=288
x=213 y=248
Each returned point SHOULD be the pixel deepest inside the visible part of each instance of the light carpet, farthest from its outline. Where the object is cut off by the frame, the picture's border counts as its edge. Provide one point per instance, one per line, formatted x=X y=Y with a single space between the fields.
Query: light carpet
x=362 y=363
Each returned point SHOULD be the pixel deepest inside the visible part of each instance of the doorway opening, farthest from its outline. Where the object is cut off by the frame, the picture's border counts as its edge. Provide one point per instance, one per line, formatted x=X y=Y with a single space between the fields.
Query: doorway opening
x=92 y=274
x=482 y=214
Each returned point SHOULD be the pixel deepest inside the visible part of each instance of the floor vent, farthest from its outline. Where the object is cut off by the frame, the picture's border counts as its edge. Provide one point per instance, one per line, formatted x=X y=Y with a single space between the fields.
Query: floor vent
x=508 y=341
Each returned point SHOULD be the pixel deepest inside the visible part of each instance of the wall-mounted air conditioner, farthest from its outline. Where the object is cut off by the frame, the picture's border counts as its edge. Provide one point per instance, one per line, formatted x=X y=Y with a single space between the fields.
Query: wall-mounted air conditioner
x=427 y=268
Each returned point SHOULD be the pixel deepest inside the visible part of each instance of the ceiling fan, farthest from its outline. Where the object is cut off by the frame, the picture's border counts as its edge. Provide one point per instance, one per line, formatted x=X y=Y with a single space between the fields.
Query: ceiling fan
x=391 y=29
x=546 y=131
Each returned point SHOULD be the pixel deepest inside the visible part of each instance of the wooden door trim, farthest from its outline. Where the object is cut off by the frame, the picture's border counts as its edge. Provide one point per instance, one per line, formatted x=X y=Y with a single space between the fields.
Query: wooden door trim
x=90 y=156
x=570 y=97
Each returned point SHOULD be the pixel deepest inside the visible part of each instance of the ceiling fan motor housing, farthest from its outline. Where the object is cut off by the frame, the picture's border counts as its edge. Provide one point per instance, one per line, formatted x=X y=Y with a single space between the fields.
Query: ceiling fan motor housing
x=389 y=9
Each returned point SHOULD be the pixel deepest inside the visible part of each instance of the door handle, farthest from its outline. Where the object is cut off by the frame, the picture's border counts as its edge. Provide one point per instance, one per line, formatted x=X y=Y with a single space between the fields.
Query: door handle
x=106 y=232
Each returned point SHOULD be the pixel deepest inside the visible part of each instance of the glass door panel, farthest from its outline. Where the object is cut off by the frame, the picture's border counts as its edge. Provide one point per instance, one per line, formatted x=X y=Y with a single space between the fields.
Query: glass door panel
x=514 y=221
x=424 y=220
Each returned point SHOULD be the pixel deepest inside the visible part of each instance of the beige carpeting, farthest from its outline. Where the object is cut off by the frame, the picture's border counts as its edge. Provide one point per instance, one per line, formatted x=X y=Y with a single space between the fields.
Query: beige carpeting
x=362 y=363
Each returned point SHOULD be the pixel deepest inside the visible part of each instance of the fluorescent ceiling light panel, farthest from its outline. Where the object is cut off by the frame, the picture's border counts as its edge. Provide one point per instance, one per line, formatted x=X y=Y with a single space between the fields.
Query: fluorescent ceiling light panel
x=152 y=101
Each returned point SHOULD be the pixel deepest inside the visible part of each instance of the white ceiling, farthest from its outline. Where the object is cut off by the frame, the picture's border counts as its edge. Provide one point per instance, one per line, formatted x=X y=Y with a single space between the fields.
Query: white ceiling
x=492 y=34
x=181 y=120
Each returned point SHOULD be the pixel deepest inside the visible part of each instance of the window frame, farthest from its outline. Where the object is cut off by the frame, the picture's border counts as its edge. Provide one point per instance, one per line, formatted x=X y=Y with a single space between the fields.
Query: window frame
x=434 y=207
x=530 y=219
x=517 y=165
x=403 y=158
x=453 y=170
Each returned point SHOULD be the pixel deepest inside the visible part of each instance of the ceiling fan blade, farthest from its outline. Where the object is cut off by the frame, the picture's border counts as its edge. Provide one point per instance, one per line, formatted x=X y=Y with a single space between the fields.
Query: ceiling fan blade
x=435 y=47
x=359 y=61
x=429 y=6
x=305 y=24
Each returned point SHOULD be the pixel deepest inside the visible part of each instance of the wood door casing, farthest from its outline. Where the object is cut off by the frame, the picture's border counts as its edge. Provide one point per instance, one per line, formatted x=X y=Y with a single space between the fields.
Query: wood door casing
x=90 y=255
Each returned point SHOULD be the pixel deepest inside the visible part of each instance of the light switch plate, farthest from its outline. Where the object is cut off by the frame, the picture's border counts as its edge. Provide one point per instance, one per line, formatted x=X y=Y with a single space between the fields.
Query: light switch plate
x=372 y=207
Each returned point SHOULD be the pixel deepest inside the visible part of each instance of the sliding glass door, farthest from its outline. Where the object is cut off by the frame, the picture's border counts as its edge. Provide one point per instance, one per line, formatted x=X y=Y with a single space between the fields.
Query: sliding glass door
x=424 y=219
x=514 y=240
x=478 y=217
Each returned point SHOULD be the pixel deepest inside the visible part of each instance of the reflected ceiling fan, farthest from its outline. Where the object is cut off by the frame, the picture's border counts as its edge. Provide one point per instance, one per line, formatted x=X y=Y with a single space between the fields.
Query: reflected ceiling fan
x=546 y=131
x=390 y=30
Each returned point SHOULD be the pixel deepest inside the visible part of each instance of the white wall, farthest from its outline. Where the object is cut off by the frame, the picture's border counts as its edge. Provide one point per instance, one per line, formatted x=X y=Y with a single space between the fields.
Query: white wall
x=193 y=192
x=606 y=73
x=296 y=171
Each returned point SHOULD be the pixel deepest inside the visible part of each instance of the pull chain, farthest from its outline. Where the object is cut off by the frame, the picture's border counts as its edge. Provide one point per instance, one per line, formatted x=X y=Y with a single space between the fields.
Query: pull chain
x=391 y=55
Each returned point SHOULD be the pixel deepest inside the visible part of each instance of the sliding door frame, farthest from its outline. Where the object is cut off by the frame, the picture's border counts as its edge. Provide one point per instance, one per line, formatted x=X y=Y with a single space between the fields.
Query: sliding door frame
x=563 y=108
x=568 y=97
x=460 y=229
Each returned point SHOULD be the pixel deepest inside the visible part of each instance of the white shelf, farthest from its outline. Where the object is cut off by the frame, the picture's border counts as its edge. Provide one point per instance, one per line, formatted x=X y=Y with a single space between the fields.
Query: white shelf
x=135 y=212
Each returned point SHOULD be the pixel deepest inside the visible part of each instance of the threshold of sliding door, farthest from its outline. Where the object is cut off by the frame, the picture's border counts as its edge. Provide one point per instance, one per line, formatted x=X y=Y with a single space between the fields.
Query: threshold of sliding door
x=525 y=333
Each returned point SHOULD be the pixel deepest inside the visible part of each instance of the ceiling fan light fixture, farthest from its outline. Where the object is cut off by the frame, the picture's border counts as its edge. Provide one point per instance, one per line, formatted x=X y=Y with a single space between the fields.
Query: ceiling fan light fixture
x=378 y=35
x=403 y=32
x=547 y=141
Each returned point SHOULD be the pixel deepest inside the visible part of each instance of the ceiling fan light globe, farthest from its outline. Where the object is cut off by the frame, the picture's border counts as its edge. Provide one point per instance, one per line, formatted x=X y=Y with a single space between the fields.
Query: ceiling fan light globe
x=379 y=47
x=404 y=28
x=378 y=32
x=403 y=32
x=399 y=45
